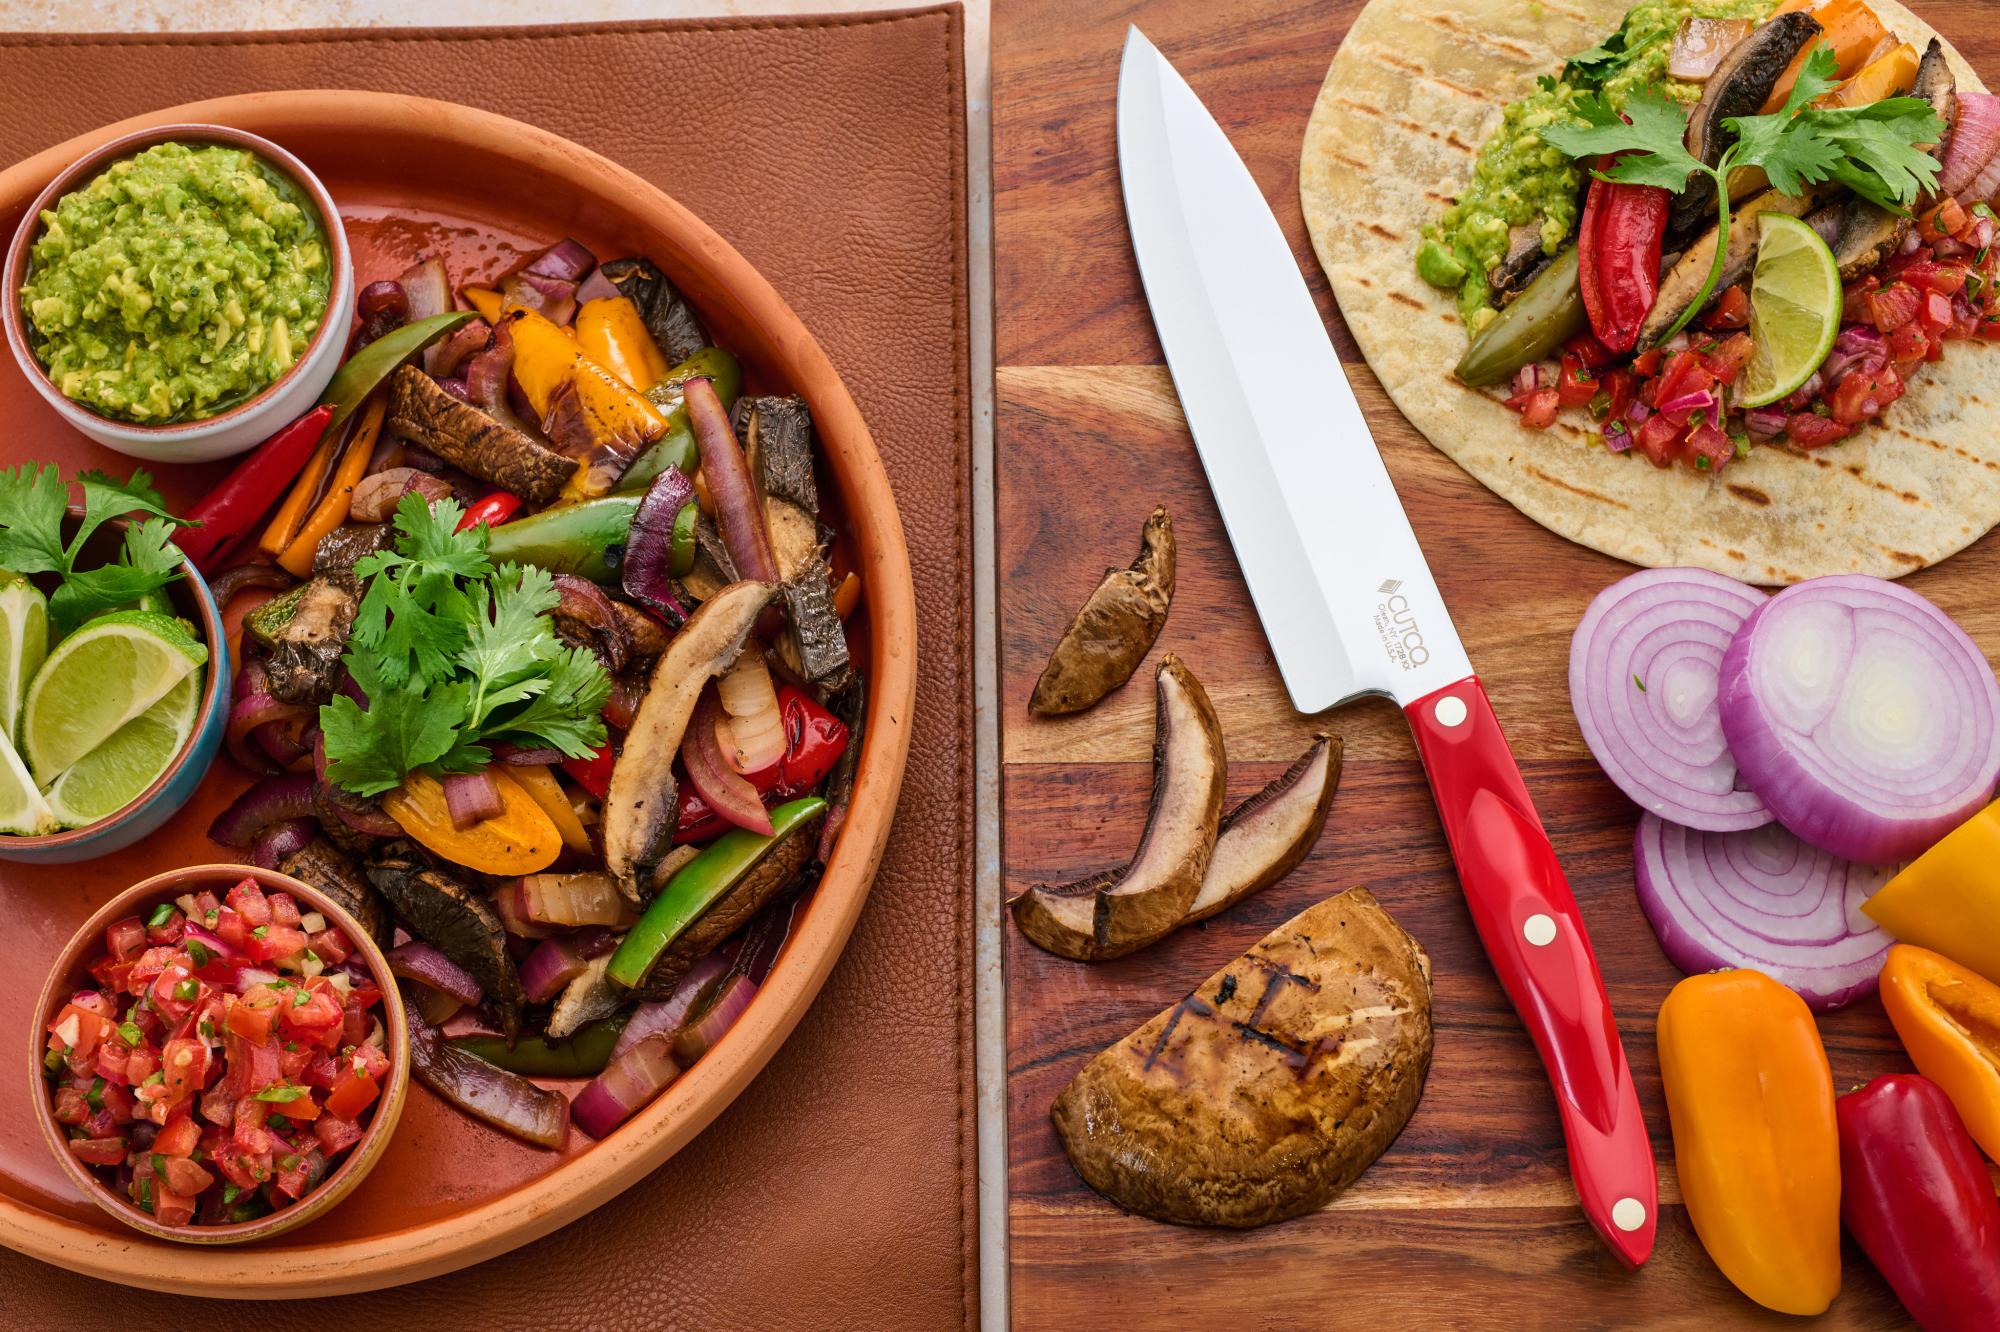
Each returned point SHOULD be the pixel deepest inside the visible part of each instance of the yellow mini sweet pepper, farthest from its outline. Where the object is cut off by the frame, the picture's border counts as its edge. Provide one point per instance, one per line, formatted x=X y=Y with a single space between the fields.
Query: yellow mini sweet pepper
x=1755 y=1141
x=1949 y=1021
x=1948 y=899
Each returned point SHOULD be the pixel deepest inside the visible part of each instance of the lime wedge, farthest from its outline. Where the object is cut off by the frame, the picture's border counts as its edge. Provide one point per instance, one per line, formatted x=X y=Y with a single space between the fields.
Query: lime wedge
x=1795 y=306
x=24 y=641
x=22 y=809
x=96 y=680
x=112 y=775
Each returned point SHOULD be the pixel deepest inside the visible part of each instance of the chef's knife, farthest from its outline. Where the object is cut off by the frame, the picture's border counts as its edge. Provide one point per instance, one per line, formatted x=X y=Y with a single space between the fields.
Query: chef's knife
x=1347 y=600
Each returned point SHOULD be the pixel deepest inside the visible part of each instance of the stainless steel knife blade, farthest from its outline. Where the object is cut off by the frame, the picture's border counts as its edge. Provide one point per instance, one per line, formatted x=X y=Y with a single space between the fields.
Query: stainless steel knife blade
x=1342 y=587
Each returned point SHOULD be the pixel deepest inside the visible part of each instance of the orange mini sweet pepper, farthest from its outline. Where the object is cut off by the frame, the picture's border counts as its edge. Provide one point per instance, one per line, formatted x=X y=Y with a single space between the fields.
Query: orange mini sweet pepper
x=1948 y=1018
x=1948 y=899
x=1756 y=1144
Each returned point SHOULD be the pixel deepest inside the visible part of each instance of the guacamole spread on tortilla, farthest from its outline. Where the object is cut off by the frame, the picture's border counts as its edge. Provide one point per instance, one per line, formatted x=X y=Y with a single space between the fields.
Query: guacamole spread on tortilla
x=178 y=283
x=1521 y=182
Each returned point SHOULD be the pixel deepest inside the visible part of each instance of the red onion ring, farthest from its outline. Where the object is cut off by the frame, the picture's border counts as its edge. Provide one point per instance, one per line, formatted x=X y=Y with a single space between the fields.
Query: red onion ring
x=1863 y=716
x=1765 y=900
x=698 y=1037
x=727 y=791
x=417 y=961
x=553 y=964
x=281 y=841
x=665 y=1016
x=273 y=800
x=628 y=1083
x=246 y=714
x=1642 y=678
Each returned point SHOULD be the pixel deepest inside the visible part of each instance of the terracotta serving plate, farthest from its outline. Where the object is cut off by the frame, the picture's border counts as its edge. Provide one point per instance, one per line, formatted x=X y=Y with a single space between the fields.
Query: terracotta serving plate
x=415 y=177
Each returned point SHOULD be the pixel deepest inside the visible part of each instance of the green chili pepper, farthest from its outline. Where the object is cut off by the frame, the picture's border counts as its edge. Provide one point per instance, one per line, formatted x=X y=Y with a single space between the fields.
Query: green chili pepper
x=1542 y=318
x=583 y=1055
x=366 y=370
x=574 y=539
x=677 y=445
x=685 y=523
x=699 y=885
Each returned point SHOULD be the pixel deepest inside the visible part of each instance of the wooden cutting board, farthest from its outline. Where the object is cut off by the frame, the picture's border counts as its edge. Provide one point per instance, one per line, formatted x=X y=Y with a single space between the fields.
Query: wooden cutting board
x=1469 y=1221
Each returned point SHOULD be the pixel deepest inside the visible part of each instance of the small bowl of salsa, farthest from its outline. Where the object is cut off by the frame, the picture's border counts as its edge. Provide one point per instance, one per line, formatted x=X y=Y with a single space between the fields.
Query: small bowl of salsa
x=180 y=293
x=220 y=1055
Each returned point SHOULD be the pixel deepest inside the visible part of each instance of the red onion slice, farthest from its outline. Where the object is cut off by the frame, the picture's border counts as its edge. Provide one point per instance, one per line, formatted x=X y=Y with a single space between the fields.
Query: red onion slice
x=633 y=1079
x=281 y=841
x=698 y=1037
x=419 y=962
x=1765 y=900
x=472 y=798
x=273 y=800
x=1863 y=716
x=1642 y=678
x=666 y=1016
x=553 y=964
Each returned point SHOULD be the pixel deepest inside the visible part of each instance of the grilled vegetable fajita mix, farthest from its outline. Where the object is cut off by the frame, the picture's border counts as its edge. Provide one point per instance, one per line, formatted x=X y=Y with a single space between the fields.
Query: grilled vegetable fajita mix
x=545 y=674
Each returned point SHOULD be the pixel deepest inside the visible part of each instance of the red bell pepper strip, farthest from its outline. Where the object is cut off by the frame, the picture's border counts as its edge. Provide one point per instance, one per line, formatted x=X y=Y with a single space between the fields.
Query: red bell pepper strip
x=228 y=511
x=1624 y=233
x=814 y=741
x=593 y=774
x=492 y=509
x=1915 y=1194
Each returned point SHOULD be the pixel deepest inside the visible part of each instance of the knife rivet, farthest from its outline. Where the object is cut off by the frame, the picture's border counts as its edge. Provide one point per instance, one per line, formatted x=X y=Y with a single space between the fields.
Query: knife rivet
x=1628 y=1214
x=1450 y=711
x=1539 y=930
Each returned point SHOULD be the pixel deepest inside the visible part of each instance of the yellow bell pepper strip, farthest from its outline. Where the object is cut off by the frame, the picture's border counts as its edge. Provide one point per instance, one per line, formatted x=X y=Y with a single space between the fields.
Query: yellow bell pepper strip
x=586 y=410
x=1755 y=1139
x=332 y=509
x=1948 y=899
x=1948 y=1019
x=485 y=300
x=611 y=332
x=542 y=787
x=520 y=839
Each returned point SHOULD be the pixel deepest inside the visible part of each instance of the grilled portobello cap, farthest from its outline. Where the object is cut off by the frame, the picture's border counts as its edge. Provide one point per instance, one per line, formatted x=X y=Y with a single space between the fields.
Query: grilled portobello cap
x=322 y=865
x=1740 y=86
x=306 y=644
x=339 y=550
x=777 y=438
x=453 y=918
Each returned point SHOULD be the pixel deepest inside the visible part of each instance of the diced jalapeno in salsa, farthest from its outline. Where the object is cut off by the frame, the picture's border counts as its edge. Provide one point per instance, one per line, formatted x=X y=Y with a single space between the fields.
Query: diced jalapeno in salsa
x=230 y=1055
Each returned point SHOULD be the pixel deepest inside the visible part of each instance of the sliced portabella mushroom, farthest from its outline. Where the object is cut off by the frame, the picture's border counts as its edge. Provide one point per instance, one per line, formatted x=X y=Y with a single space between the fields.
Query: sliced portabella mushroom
x=1740 y=86
x=1115 y=629
x=338 y=550
x=1526 y=258
x=1269 y=1089
x=1109 y=915
x=322 y=865
x=639 y=809
x=778 y=442
x=586 y=999
x=1264 y=838
x=306 y=644
x=1689 y=275
x=454 y=919
x=470 y=440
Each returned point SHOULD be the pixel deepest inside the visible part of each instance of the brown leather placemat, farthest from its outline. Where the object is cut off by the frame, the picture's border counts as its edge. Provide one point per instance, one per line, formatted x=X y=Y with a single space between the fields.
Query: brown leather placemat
x=838 y=1191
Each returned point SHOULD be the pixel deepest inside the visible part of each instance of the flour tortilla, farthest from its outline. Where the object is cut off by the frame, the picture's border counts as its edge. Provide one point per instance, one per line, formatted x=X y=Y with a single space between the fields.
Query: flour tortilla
x=1412 y=96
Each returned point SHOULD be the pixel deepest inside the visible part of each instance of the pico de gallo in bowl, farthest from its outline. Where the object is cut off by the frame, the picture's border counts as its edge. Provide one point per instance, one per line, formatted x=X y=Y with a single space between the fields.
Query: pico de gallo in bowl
x=221 y=1055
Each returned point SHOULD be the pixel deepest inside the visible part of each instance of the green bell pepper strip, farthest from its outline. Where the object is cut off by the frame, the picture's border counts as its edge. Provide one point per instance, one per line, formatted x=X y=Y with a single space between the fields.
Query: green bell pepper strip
x=573 y=539
x=699 y=885
x=365 y=371
x=676 y=446
x=685 y=523
x=1542 y=318
x=583 y=1055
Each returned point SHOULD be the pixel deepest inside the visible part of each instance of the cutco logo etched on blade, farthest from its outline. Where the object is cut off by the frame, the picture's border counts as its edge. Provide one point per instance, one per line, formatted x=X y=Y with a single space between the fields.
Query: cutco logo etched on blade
x=1396 y=623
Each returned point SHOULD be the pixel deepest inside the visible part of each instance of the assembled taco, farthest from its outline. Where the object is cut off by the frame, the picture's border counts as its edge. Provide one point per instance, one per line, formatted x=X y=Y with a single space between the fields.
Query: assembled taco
x=1521 y=211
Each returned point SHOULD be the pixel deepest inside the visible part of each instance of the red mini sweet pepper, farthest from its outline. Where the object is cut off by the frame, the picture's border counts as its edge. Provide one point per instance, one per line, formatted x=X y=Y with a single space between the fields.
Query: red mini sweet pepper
x=1623 y=235
x=227 y=512
x=1915 y=1194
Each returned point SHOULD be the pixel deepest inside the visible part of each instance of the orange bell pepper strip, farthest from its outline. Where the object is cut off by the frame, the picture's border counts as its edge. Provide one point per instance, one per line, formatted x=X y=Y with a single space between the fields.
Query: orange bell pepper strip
x=1948 y=1019
x=611 y=332
x=1948 y=899
x=543 y=788
x=1756 y=1143
x=520 y=839
x=332 y=509
x=1850 y=28
x=1891 y=75
x=285 y=525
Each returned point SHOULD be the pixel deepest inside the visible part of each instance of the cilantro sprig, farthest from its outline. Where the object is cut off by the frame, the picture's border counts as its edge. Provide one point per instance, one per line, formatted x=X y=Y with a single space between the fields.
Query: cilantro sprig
x=453 y=655
x=33 y=503
x=1874 y=150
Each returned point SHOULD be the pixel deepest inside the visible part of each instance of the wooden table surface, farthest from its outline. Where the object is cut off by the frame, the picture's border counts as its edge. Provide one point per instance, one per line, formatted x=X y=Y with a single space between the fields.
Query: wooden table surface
x=1469 y=1221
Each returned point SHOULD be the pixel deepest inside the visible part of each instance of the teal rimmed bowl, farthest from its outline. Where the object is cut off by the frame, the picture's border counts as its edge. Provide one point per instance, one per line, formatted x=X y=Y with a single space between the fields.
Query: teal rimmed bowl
x=172 y=788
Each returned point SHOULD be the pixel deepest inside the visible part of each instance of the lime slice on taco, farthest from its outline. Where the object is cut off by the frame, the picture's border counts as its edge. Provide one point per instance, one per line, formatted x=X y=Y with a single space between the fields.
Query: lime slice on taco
x=1795 y=306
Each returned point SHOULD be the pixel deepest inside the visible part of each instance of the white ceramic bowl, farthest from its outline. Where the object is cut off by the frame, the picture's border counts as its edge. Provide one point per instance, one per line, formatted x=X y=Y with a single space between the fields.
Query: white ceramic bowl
x=247 y=424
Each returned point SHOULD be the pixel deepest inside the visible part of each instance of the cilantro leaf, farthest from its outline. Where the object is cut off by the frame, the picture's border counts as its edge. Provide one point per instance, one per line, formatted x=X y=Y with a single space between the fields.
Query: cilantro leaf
x=1654 y=139
x=148 y=562
x=567 y=715
x=369 y=750
x=430 y=536
x=1881 y=161
x=33 y=500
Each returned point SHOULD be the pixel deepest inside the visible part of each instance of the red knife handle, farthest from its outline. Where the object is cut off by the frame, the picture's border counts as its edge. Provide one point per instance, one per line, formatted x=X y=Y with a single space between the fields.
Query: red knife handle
x=1528 y=921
